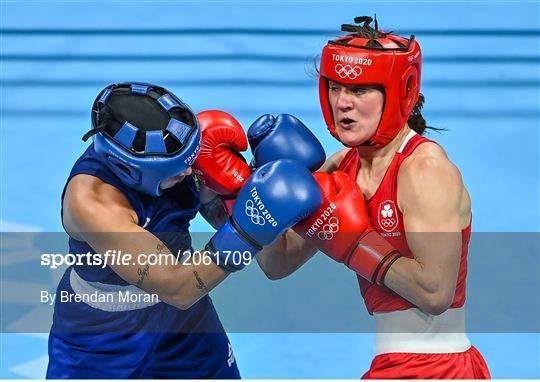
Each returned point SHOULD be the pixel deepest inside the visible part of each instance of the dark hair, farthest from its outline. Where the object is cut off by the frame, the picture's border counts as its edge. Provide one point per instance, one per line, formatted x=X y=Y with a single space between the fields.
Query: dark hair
x=366 y=31
x=142 y=111
x=416 y=121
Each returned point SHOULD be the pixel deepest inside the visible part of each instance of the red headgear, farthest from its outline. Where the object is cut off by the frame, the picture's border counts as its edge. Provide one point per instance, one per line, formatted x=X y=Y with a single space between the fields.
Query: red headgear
x=391 y=61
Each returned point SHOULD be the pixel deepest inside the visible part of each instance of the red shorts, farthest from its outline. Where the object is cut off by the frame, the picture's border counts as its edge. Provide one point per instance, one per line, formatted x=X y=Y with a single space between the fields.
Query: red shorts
x=466 y=365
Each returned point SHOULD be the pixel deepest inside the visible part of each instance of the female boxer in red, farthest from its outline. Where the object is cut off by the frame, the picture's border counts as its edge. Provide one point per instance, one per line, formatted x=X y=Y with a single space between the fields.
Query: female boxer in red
x=396 y=211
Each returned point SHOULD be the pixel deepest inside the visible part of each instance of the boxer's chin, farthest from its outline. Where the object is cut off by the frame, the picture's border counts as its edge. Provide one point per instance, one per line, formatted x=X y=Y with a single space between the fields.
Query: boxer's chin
x=353 y=138
x=171 y=182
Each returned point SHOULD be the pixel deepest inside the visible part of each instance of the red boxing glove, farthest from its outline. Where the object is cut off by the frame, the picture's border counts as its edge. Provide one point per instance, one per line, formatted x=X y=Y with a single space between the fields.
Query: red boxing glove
x=220 y=165
x=342 y=229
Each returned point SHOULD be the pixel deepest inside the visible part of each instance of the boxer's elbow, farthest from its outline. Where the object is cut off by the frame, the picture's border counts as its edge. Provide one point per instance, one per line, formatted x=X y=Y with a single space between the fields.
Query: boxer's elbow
x=273 y=270
x=179 y=300
x=436 y=303
x=273 y=274
x=185 y=304
x=174 y=292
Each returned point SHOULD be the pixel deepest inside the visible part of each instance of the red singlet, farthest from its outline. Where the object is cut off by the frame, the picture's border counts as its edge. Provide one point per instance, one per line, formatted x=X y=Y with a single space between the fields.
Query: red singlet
x=435 y=353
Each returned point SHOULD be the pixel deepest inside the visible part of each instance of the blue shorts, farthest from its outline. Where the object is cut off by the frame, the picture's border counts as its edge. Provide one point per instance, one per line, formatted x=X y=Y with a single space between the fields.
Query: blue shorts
x=152 y=342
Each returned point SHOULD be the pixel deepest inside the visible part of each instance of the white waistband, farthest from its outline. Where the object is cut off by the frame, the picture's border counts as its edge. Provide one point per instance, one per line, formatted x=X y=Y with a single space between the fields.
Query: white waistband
x=110 y=298
x=413 y=331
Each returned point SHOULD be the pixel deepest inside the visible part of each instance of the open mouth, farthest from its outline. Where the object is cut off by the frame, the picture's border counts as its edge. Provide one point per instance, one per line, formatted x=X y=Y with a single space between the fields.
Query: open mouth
x=346 y=122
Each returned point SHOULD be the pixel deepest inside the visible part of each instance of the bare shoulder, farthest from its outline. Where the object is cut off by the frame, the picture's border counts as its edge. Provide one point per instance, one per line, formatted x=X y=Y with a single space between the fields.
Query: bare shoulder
x=428 y=149
x=334 y=161
x=90 y=203
x=429 y=159
x=427 y=178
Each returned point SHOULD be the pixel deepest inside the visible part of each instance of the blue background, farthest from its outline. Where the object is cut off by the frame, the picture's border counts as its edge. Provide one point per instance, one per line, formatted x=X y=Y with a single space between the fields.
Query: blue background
x=480 y=79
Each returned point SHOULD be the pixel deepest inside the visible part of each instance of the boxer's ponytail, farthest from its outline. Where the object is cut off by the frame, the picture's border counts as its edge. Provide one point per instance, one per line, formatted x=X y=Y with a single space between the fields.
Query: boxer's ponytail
x=416 y=121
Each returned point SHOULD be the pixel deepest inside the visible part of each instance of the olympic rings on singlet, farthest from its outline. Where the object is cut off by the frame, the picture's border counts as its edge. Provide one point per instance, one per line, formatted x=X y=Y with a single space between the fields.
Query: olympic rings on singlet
x=388 y=222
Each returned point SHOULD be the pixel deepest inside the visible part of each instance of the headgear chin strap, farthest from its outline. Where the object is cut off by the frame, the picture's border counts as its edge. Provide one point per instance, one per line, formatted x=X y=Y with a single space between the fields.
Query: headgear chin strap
x=144 y=140
x=390 y=61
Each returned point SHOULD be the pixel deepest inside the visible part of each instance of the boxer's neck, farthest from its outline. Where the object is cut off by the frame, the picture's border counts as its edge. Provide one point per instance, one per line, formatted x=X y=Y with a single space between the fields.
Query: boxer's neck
x=376 y=157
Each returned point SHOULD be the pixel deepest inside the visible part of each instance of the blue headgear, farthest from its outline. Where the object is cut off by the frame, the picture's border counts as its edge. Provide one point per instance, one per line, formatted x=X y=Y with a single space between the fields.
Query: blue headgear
x=144 y=134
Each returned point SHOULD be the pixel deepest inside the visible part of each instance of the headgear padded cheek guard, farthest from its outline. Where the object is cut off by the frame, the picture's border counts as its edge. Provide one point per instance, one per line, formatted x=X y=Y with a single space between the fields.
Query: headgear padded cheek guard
x=389 y=61
x=144 y=134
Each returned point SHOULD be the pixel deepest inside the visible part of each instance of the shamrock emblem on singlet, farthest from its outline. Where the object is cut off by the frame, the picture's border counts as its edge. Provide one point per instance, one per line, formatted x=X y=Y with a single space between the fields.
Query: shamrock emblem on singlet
x=388 y=218
x=387 y=211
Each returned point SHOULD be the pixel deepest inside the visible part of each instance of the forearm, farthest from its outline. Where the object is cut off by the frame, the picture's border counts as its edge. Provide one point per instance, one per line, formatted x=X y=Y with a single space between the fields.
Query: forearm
x=155 y=269
x=285 y=256
x=180 y=284
x=421 y=284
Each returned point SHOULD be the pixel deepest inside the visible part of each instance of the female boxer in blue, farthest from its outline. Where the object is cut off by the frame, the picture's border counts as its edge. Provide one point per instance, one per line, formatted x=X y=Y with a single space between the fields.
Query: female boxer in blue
x=132 y=192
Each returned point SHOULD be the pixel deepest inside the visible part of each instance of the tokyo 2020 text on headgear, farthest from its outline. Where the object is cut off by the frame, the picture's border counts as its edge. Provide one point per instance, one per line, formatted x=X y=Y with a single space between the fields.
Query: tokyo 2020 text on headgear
x=144 y=134
x=386 y=60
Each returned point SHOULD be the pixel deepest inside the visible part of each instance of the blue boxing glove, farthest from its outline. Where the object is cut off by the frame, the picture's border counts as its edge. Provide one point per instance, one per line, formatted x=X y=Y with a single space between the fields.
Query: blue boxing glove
x=275 y=197
x=284 y=137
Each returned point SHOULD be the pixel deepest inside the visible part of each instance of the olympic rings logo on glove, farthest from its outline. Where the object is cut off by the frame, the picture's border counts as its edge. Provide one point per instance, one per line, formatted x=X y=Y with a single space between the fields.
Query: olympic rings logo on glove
x=328 y=230
x=348 y=71
x=254 y=214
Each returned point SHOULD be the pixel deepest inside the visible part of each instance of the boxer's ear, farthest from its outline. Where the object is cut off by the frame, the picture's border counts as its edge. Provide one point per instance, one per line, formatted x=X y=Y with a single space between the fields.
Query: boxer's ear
x=409 y=90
